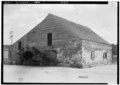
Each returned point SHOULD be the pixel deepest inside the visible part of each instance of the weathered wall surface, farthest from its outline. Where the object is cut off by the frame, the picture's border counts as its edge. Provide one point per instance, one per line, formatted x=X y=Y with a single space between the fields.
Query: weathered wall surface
x=65 y=40
x=69 y=52
x=13 y=50
x=93 y=53
x=38 y=37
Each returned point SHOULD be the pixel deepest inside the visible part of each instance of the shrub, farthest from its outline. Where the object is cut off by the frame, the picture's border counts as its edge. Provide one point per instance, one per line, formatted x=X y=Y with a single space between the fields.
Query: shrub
x=33 y=56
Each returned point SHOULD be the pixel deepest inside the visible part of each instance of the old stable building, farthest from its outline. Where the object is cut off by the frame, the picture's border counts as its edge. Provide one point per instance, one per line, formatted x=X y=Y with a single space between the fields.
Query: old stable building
x=73 y=42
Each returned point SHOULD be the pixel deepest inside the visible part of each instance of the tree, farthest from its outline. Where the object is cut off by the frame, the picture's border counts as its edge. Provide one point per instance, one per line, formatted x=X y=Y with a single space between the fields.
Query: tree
x=114 y=49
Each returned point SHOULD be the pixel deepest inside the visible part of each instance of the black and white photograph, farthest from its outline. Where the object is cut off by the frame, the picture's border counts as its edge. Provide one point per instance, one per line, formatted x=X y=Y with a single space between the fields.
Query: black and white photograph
x=60 y=43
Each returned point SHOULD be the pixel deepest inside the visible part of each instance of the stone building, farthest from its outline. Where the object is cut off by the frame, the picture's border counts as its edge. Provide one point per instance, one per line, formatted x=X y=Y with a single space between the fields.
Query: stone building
x=74 y=43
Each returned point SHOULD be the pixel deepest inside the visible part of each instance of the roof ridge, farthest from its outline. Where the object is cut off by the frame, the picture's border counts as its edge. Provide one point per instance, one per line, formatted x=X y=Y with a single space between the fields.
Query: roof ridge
x=55 y=16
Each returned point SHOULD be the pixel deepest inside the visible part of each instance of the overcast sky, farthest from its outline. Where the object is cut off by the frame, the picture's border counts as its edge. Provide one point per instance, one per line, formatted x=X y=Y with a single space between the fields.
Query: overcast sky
x=21 y=18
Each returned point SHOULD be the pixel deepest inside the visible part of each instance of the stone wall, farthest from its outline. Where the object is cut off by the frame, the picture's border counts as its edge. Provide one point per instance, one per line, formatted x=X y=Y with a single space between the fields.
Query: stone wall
x=69 y=52
x=95 y=53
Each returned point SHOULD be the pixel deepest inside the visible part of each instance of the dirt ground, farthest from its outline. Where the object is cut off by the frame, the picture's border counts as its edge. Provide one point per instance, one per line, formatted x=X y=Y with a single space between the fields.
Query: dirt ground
x=98 y=74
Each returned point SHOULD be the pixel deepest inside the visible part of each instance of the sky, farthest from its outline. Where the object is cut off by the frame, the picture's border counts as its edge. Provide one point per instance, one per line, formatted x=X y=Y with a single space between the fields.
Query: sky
x=21 y=18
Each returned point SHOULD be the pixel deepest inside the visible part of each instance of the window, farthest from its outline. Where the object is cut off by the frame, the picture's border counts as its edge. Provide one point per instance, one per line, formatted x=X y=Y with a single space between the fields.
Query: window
x=105 y=55
x=19 y=45
x=49 y=39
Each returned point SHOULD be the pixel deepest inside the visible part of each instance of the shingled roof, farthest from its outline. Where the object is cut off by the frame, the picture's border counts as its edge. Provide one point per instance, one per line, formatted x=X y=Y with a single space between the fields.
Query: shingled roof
x=77 y=30
x=81 y=31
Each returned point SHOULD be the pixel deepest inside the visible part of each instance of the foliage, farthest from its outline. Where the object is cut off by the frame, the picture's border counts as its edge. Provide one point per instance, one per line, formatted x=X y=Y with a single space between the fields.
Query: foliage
x=114 y=49
x=34 y=56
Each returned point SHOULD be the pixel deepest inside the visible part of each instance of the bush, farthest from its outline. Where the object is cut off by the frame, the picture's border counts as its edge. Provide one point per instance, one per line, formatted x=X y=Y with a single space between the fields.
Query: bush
x=114 y=49
x=33 y=56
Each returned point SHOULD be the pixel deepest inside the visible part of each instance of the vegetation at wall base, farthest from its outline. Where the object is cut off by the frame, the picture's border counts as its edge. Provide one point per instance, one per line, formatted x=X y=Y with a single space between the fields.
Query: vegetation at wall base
x=35 y=57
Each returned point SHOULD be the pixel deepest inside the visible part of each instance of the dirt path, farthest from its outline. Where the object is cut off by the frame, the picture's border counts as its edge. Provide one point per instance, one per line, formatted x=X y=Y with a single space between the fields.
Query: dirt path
x=99 y=74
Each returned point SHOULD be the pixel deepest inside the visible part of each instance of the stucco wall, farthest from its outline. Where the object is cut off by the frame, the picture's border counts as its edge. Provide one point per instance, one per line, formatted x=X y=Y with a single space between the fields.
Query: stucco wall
x=93 y=52
x=69 y=52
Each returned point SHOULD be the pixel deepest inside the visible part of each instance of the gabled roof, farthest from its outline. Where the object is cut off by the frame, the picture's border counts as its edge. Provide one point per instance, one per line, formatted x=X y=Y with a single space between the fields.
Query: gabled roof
x=77 y=30
x=81 y=31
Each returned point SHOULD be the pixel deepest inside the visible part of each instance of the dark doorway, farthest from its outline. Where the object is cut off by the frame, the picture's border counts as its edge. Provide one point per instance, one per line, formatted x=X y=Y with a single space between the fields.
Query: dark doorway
x=49 y=39
x=19 y=45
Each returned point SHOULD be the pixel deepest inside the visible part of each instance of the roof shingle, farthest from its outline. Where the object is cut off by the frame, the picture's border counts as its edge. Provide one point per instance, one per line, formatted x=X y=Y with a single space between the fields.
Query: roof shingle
x=79 y=30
